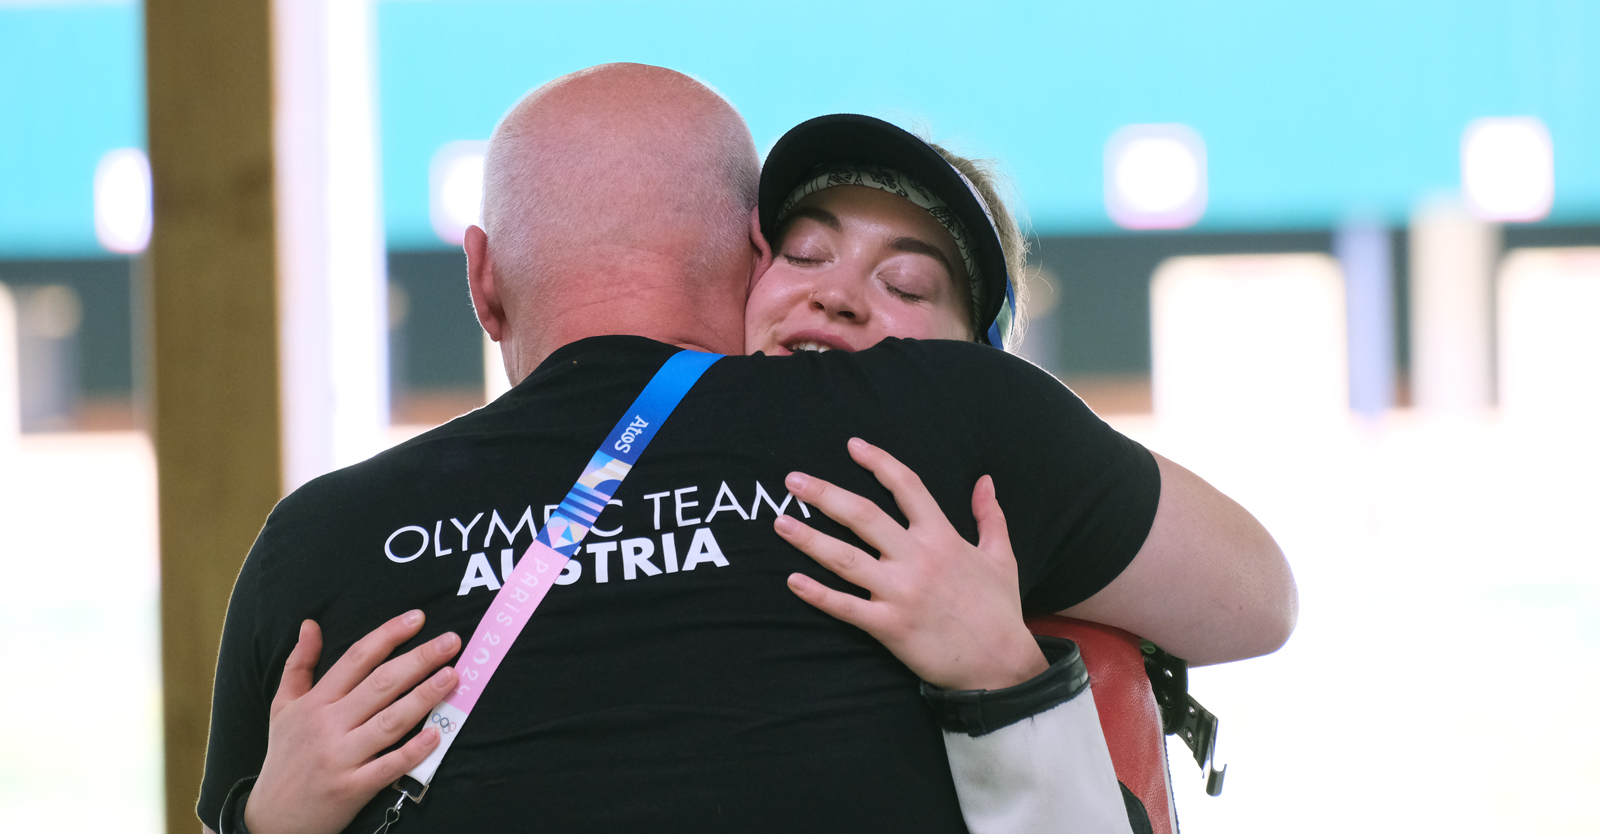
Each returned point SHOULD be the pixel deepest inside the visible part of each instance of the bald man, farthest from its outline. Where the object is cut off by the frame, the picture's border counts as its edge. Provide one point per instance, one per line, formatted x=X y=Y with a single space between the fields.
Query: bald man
x=673 y=682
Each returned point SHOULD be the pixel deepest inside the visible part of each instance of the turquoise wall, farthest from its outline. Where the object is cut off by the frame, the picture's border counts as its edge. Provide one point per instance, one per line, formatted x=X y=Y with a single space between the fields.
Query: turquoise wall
x=71 y=88
x=1311 y=111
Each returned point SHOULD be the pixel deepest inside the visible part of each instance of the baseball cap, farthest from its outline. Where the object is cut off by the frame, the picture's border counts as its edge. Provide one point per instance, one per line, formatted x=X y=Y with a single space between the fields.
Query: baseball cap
x=848 y=138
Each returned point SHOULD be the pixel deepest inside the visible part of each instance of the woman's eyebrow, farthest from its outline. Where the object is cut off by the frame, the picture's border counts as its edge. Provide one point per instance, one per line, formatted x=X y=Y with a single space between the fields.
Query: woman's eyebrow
x=826 y=218
x=918 y=246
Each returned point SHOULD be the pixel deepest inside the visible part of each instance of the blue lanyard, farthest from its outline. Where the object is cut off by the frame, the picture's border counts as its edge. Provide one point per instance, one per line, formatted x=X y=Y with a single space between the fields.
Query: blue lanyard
x=533 y=576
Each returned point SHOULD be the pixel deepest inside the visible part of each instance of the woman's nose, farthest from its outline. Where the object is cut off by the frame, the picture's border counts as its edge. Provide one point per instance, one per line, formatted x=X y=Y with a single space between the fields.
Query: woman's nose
x=838 y=302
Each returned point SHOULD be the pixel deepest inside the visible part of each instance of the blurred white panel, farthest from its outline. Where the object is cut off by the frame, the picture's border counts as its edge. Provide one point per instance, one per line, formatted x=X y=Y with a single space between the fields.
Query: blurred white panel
x=357 y=257
x=1550 y=334
x=122 y=211
x=333 y=300
x=86 y=504
x=10 y=383
x=1248 y=338
x=1155 y=176
x=1452 y=256
x=495 y=381
x=455 y=189
x=1508 y=169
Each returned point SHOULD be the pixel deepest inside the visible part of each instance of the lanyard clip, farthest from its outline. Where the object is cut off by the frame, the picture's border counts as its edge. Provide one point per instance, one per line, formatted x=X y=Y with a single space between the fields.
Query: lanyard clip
x=409 y=788
x=392 y=815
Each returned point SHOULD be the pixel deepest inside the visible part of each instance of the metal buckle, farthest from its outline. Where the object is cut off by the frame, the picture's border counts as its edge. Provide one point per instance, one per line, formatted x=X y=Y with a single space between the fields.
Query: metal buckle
x=1198 y=729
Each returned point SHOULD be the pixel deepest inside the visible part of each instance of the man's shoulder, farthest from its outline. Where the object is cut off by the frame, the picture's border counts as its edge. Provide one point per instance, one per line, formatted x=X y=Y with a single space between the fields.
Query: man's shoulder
x=405 y=454
x=950 y=357
x=570 y=392
x=965 y=371
x=424 y=458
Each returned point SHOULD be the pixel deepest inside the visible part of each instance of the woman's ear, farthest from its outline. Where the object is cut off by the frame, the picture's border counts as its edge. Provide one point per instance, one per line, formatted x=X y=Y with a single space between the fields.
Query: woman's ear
x=760 y=250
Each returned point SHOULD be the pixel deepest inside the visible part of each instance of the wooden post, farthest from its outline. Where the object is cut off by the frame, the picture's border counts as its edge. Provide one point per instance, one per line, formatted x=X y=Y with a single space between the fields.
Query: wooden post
x=214 y=386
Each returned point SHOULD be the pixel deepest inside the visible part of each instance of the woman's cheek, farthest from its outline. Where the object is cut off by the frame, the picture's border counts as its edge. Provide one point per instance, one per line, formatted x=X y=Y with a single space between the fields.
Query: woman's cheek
x=763 y=310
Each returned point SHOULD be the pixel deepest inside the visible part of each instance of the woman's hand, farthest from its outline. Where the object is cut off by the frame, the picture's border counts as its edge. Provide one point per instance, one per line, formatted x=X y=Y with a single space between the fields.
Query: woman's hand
x=950 y=611
x=323 y=742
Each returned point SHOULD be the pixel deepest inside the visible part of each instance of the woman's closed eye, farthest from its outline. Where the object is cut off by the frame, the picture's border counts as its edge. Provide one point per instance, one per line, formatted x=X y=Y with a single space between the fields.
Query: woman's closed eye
x=903 y=293
x=912 y=278
x=806 y=243
x=804 y=260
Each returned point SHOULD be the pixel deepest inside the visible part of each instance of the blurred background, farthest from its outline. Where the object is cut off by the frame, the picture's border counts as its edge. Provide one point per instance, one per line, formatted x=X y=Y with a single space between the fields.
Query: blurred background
x=1341 y=259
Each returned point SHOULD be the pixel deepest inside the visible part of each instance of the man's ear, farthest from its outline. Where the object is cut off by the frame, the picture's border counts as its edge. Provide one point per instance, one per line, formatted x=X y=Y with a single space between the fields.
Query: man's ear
x=760 y=250
x=486 y=300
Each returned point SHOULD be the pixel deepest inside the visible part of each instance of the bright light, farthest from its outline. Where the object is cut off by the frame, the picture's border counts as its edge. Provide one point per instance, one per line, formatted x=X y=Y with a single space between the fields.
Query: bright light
x=122 y=201
x=455 y=189
x=1155 y=176
x=1508 y=169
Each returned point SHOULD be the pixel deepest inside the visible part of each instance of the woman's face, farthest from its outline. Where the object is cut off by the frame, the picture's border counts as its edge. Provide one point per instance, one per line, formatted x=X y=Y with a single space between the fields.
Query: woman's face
x=851 y=266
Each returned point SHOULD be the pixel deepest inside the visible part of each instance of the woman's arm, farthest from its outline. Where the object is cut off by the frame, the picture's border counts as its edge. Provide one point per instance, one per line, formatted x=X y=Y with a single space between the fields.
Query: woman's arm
x=1209 y=585
x=1024 y=740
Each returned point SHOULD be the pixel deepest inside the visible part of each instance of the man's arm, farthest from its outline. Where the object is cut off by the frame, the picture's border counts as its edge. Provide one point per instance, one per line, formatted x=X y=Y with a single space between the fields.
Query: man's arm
x=1209 y=585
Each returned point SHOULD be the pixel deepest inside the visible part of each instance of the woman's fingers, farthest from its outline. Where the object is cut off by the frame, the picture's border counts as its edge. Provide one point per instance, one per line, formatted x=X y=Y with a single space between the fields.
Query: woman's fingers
x=867 y=519
x=909 y=492
x=837 y=604
x=390 y=681
x=397 y=719
x=851 y=563
x=381 y=772
x=320 y=746
x=993 y=537
x=297 y=670
x=357 y=663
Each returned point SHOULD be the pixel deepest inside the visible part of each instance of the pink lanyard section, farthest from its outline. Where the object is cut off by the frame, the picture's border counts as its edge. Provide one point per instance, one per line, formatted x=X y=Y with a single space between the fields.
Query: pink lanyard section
x=534 y=575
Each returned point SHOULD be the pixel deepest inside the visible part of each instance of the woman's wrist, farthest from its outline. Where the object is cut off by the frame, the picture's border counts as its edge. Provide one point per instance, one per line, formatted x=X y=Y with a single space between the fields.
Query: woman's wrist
x=1016 y=659
x=1026 y=661
x=231 y=820
x=978 y=712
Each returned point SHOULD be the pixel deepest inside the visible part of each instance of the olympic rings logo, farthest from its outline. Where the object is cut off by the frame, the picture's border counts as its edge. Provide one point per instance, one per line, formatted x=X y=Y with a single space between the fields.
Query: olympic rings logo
x=445 y=726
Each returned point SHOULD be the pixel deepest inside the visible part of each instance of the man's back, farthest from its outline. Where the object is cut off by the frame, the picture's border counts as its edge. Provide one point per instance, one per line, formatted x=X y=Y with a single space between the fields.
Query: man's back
x=676 y=683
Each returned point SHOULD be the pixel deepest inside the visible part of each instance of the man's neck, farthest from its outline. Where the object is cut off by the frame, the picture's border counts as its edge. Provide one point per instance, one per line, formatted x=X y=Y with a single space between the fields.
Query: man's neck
x=676 y=321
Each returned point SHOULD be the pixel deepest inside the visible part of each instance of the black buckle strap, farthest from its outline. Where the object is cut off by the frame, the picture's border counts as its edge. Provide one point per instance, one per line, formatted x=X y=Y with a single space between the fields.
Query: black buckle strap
x=1181 y=714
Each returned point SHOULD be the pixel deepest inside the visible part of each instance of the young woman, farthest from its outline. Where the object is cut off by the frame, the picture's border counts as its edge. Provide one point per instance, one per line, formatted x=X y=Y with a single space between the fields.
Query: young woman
x=877 y=234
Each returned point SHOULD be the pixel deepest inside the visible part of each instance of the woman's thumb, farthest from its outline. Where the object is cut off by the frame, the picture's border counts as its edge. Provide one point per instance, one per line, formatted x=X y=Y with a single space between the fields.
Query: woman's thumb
x=993 y=537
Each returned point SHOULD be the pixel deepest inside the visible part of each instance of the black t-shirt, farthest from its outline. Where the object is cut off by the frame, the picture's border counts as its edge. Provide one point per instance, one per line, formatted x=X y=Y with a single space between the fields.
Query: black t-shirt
x=676 y=684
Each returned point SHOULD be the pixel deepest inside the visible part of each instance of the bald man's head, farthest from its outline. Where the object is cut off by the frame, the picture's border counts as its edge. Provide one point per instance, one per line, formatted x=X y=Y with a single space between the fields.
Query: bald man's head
x=616 y=166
